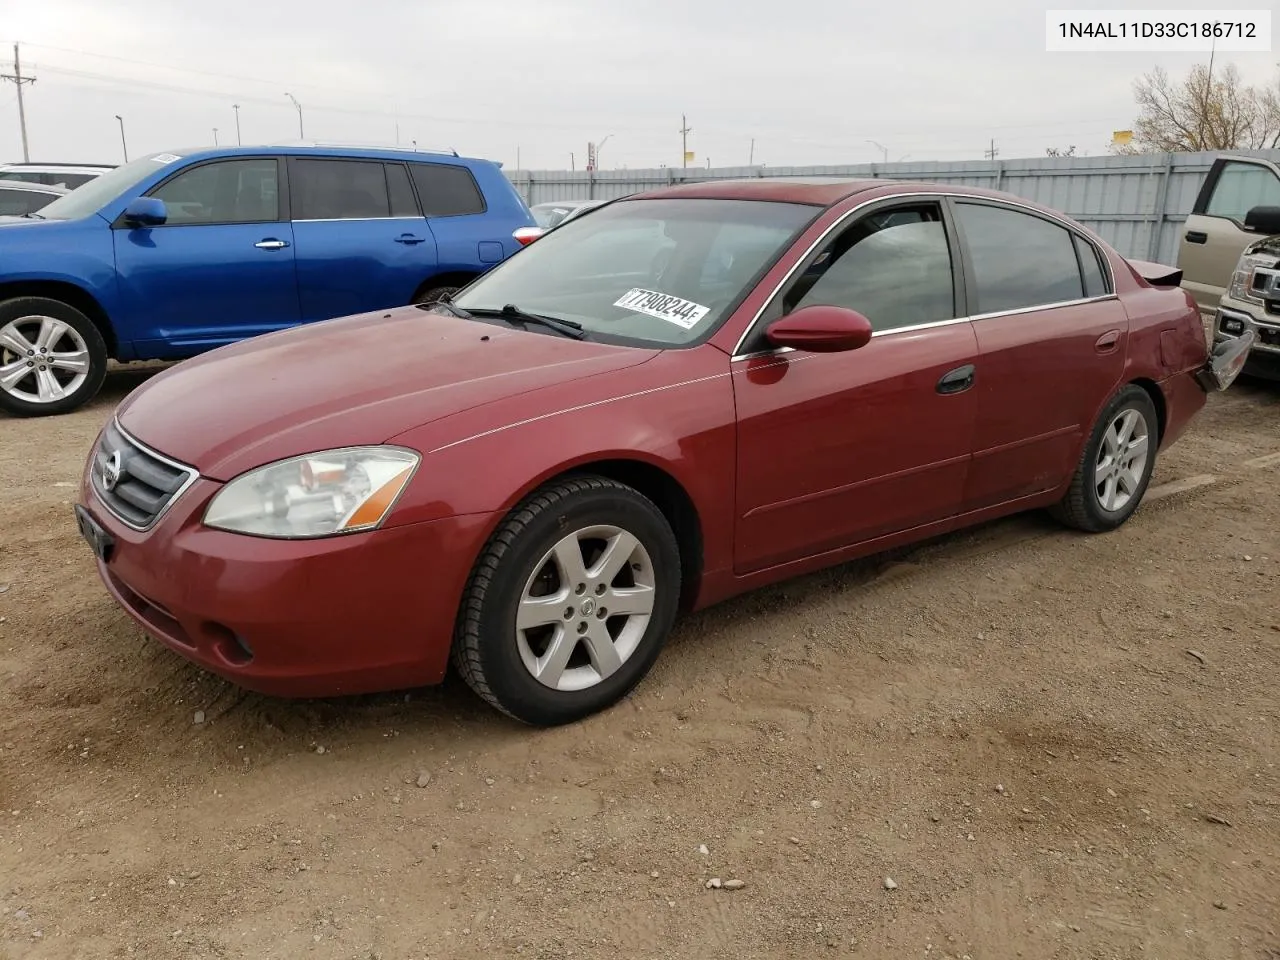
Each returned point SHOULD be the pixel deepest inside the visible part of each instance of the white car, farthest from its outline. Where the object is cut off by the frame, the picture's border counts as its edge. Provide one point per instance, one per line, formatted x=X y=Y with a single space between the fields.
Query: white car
x=65 y=175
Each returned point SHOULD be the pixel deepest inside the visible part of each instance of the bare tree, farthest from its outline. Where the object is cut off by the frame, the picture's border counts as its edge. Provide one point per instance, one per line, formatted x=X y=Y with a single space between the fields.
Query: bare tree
x=1203 y=112
x=1060 y=152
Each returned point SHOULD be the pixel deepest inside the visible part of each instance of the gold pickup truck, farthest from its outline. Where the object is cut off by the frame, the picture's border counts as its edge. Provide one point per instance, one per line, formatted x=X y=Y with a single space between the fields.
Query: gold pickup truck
x=1229 y=256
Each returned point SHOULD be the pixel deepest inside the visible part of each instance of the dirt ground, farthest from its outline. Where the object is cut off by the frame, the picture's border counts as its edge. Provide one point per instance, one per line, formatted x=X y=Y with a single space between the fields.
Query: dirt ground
x=1009 y=723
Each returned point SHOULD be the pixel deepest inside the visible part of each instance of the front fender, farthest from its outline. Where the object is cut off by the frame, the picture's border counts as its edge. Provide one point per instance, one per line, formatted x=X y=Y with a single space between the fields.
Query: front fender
x=674 y=413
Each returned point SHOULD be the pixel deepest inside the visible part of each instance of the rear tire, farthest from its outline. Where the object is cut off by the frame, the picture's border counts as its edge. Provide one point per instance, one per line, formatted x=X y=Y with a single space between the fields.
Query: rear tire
x=536 y=638
x=1115 y=466
x=435 y=295
x=52 y=357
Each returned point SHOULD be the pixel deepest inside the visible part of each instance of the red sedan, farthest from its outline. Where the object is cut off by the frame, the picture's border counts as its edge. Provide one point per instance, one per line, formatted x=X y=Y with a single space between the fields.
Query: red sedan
x=670 y=400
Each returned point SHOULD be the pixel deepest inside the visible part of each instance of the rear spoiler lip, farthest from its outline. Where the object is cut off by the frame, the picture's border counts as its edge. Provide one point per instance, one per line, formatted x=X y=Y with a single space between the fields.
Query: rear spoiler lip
x=1156 y=274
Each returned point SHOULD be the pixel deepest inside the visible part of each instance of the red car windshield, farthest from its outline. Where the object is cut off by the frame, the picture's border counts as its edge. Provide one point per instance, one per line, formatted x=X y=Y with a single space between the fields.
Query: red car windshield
x=648 y=272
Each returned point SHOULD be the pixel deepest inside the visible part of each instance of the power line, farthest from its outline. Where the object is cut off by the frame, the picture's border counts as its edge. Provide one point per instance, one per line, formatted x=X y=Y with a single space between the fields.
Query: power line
x=18 y=80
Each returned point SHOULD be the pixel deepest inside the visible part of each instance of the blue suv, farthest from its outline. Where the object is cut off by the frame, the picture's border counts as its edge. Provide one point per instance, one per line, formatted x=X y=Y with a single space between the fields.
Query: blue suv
x=174 y=254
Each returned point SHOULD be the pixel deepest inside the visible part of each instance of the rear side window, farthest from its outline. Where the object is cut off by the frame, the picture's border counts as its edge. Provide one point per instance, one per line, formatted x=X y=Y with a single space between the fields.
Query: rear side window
x=338 y=190
x=1019 y=260
x=447 y=190
x=15 y=203
x=1240 y=188
x=1095 y=284
x=400 y=191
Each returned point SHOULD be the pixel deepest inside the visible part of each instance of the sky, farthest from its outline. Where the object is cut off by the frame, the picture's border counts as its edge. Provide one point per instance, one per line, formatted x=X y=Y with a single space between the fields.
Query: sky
x=531 y=82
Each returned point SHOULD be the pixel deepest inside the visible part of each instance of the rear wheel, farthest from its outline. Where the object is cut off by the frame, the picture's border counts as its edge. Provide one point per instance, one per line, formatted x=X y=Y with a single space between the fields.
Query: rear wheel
x=570 y=603
x=435 y=295
x=1115 y=467
x=52 y=357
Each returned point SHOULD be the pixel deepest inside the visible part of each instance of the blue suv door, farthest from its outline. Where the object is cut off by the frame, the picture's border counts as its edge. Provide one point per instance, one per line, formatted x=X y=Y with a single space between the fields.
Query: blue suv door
x=221 y=267
x=362 y=242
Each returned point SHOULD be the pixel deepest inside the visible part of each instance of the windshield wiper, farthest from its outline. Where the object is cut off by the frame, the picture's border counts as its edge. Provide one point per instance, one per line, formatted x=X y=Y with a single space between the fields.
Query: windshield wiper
x=568 y=328
x=448 y=305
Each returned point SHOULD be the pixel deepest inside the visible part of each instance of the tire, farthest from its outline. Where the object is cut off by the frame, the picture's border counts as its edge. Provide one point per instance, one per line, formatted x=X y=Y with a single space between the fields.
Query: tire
x=1085 y=506
x=434 y=294
x=516 y=570
x=32 y=327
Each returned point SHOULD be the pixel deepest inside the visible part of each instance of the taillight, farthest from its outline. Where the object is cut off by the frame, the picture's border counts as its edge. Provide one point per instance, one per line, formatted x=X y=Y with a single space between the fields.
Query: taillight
x=526 y=235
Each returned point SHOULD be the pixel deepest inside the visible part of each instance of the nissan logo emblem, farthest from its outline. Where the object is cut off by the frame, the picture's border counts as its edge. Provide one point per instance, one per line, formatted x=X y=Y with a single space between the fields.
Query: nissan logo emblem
x=111 y=471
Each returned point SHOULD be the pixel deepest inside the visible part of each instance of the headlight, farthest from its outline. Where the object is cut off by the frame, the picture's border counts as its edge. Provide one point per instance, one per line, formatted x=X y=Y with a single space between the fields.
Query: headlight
x=317 y=495
x=1243 y=276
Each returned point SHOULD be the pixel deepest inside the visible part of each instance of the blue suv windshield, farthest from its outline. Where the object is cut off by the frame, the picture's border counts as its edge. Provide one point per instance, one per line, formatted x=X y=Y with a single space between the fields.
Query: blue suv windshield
x=87 y=200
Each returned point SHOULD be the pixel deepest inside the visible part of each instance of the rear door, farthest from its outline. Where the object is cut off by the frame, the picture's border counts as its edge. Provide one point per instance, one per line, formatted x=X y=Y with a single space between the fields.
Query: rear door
x=362 y=243
x=1051 y=339
x=1214 y=234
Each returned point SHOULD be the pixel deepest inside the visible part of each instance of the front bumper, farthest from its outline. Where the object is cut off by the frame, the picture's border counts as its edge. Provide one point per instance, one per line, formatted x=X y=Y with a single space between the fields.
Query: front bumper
x=1233 y=318
x=343 y=615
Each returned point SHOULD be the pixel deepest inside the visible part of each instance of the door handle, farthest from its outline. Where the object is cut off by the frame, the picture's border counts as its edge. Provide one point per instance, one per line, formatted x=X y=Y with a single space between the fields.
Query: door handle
x=1197 y=236
x=271 y=243
x=409 y=238
x=958 y=380
x=1107 y=342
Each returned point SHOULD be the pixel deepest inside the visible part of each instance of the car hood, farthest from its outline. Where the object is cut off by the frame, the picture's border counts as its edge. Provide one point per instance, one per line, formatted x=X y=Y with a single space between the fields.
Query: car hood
x=351 y=381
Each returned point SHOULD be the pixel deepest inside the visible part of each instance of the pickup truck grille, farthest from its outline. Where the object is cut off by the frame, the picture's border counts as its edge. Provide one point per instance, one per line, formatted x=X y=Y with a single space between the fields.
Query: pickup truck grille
x=134 y=483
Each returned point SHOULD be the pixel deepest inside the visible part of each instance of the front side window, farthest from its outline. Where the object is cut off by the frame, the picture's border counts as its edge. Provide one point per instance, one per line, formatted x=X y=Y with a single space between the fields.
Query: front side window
x=1240 y=188
x=225 y=191
x=892 y=266
x=338 y=190
x=645 y=272
x=1019 y=260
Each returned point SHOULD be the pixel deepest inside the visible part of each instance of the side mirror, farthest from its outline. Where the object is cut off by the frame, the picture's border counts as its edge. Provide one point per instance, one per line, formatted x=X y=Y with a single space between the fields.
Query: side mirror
x=1263 y=220
x=821 y=329
x=145 y=212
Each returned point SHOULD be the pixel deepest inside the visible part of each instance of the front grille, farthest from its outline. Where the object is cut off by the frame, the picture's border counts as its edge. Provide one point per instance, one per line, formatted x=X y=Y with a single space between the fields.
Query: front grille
x=144 y=482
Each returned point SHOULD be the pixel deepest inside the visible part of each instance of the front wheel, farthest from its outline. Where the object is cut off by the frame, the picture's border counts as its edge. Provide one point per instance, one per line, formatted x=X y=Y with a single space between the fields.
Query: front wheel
x=570 y=602
x=52 y=358
x=1116 y=464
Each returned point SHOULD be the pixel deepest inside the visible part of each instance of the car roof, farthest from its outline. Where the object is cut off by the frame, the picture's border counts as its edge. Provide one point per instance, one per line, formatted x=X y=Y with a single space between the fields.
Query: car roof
x=295 y=149
x=59 y=167
x=571 y=204
x=819 y=191
x=31 y=187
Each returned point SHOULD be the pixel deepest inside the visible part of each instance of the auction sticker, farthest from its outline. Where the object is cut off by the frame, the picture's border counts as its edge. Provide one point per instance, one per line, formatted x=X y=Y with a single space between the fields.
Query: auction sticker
x=683 y=313
x=165 y=157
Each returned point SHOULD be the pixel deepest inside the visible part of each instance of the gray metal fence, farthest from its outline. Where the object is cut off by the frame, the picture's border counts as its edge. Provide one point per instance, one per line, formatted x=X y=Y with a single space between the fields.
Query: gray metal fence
x=1135 y=203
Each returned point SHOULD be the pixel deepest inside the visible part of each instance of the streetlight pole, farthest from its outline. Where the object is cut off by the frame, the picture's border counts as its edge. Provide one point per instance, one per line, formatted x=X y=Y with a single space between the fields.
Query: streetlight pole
x=598 y=146
x=124 y=147
x=236 y=108
x=215 y=136
x=301 y=135
x=883 y=149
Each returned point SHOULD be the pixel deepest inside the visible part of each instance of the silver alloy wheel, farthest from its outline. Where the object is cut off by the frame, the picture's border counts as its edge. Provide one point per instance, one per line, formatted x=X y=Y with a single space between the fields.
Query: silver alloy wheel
x=1122 y=460
x=42 y=359
x=586 y=608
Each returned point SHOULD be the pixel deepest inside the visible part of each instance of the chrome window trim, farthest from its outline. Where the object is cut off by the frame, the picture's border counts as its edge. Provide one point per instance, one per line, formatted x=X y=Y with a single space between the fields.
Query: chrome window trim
x=940 y=196
x=417 y=216
x=192 y=476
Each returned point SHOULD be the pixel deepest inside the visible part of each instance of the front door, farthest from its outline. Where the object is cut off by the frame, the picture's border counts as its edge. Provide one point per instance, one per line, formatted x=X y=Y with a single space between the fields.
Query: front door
x=221 y=267
x=838 y=449
x=1051 y=342
x=363 y=243
x=1214 y=236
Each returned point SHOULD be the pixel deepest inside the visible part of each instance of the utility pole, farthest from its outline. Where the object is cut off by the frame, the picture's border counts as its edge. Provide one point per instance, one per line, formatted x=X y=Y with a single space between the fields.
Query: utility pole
x=684 y=140
x=573 y=164
x=18 y=80
x=124 y=147
x=301 y=135
x=993 y=152
x=751 y=157
x=236 y=108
